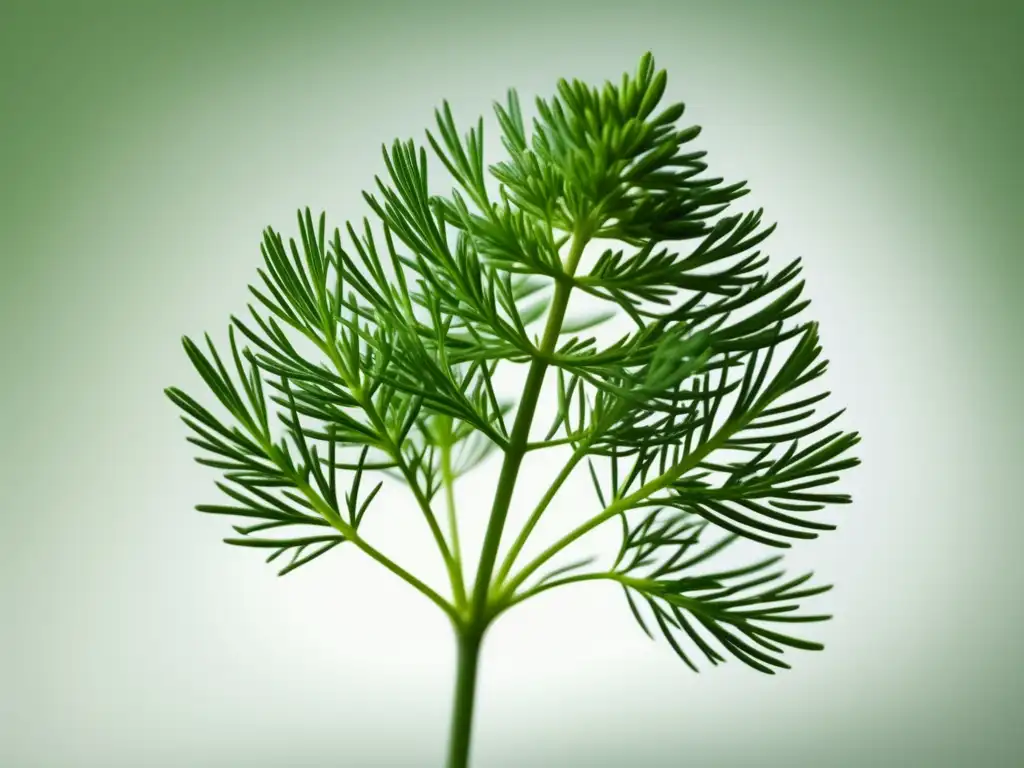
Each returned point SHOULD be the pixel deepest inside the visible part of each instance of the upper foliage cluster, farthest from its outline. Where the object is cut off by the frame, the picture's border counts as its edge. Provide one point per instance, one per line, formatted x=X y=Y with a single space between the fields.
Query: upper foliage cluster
x=697 y=418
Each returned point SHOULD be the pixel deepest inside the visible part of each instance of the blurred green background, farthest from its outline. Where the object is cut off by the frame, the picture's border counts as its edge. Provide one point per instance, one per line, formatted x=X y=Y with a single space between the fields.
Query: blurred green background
x=143 y=147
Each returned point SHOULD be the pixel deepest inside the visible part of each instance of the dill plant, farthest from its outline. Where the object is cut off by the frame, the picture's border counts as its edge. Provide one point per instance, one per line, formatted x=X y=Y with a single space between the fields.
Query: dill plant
x=375 y=352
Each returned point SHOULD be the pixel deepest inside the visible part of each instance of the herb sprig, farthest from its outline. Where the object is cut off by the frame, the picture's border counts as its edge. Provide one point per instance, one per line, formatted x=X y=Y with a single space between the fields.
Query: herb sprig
x=376 y=353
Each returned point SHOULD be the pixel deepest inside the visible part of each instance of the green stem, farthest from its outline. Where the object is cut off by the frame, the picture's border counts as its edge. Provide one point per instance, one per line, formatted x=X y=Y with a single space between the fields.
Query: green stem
x=452 y=563
x=567 y=440
x=534 y=591
x=353 y=536
x=330 y=514
x=520 y=436
x=448 y=479
x=469 y=642
x=396 y=569
x=470 y=628
x=548 y=497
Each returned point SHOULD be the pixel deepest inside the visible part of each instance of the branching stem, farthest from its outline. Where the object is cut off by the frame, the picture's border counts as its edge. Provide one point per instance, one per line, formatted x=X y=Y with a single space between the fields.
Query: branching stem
x=453 y=568
x=471 y=630
x=619 y=506
x=519 y=439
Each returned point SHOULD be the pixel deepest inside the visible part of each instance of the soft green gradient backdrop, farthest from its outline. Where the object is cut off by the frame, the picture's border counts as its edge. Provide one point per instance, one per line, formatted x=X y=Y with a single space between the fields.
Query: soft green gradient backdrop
x=142 y=150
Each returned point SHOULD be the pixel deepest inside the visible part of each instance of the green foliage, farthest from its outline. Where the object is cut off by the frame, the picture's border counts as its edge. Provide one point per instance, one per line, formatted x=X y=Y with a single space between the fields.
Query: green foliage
x=376 y=351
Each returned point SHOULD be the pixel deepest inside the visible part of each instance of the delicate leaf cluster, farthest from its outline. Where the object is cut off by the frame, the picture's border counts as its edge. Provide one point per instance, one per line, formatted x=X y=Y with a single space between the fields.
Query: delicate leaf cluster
x=381 y=355
x=715 y=611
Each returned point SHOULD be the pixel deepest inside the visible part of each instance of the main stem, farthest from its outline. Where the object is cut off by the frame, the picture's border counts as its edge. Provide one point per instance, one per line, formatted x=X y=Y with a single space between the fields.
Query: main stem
x=520 y=436
x=471 y=629
x=465 y=696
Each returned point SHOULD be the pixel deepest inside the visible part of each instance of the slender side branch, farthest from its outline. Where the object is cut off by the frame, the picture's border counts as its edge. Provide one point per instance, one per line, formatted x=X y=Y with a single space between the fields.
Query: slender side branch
x=689 y=462
x=350 y=533
x=534 y=591
x=331 y=350
x=448 y=479
x=353 y=536
x=538 y=512
x=555 y=442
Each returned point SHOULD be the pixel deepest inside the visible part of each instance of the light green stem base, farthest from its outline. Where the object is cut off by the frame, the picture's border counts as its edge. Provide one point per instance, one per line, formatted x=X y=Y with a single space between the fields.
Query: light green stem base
x=469 y=642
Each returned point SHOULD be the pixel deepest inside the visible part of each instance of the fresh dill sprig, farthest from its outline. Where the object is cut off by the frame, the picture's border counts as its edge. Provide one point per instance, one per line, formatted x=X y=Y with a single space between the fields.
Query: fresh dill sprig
x=375 y=350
